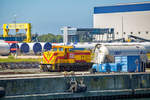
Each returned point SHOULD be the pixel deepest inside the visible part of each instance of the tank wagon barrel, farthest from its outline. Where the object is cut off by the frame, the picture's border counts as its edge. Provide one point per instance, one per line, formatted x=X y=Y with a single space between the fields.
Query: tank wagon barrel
x=122 y=50
x=119 y=58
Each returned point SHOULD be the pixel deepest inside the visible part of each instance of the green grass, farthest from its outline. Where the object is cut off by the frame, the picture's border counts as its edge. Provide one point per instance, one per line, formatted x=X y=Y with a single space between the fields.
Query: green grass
x=148 y=55
x=12 y=59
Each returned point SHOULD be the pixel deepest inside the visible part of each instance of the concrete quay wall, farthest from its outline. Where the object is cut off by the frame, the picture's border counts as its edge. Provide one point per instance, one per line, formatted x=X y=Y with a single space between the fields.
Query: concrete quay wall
x=55 y=87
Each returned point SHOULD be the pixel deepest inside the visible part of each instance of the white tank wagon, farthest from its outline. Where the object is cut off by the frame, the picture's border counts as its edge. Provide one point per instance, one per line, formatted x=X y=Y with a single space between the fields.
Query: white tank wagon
x=4 y=49
x=119 y=58
x=103 y=51
x=146 y=45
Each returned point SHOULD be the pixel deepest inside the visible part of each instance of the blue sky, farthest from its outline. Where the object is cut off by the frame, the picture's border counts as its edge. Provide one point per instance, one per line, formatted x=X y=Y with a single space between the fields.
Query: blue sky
x=48 y=16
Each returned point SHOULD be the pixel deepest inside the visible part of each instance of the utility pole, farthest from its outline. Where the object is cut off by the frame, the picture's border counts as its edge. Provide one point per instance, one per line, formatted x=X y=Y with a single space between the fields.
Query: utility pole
x=16 y=35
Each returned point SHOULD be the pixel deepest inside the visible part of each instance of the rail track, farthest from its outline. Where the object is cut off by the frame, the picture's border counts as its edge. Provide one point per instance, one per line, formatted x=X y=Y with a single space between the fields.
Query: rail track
x=19 y=65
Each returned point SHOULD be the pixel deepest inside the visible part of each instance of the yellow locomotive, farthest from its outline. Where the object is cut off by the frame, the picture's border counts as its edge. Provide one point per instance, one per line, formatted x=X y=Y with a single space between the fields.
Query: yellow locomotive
x=64 y=58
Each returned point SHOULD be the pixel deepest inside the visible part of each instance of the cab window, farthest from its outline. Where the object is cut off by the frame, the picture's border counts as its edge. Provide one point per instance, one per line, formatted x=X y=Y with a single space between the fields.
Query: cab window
x=54 y=49
x=60 y=49
x=70 y=49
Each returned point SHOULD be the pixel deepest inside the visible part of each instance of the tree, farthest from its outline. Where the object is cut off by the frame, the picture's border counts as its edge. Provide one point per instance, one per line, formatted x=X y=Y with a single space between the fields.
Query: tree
x=59 y=38
x=50 y=38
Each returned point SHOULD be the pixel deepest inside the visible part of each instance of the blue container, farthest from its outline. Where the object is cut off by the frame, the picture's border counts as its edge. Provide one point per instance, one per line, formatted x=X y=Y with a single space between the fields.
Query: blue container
x=113 y=67
x=134 y=64
x=47 y=46
x=24 y=48
x=122 y=60
x=102 y=67
x=122 y=64
x=37 y=48
x=129 y=63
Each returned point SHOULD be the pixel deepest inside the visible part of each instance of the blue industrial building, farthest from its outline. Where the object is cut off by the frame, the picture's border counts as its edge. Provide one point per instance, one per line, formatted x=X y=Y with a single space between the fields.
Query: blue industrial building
x=73 y=35
x=126 y=19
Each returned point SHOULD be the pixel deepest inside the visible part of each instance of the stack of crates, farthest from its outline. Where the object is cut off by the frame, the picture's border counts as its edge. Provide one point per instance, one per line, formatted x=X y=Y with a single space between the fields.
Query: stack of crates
x=129 y=63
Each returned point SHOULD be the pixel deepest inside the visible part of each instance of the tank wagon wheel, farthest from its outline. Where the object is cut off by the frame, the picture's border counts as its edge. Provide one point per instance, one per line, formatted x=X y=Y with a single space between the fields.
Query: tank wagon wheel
x=41 y=67
x=92 y=71
x=57 y=67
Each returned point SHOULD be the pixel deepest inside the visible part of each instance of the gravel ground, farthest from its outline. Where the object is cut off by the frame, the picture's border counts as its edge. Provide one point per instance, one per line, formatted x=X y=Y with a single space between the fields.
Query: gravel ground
x=33 y=57
x=38 y=73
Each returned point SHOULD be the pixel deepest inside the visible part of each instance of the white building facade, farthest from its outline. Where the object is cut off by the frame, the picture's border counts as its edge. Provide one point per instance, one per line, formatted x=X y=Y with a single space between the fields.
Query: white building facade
x=126 y=19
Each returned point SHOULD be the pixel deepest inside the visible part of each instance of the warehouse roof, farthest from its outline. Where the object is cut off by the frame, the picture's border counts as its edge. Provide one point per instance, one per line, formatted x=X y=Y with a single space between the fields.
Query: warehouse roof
x=131 y=7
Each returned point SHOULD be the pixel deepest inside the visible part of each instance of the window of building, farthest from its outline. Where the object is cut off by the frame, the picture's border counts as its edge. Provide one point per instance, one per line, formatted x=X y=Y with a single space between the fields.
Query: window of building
x=117 y=33
x=131 y=32
x=124 y=32
x=139 y=32
x=146 y=32
x=71 y=32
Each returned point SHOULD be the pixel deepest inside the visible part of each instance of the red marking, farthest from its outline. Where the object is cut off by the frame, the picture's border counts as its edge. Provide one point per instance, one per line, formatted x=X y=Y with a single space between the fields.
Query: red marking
x=60 y=57
x=80 y=61
x=63 y=57
x=13 y=49
x=82 y=53
x=55 y=54
x=11 y=41
x=48 y=60
x=68 y=56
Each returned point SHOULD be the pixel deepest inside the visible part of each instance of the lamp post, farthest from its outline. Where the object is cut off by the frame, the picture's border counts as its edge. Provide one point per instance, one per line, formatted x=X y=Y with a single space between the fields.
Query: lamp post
x=16 y=34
